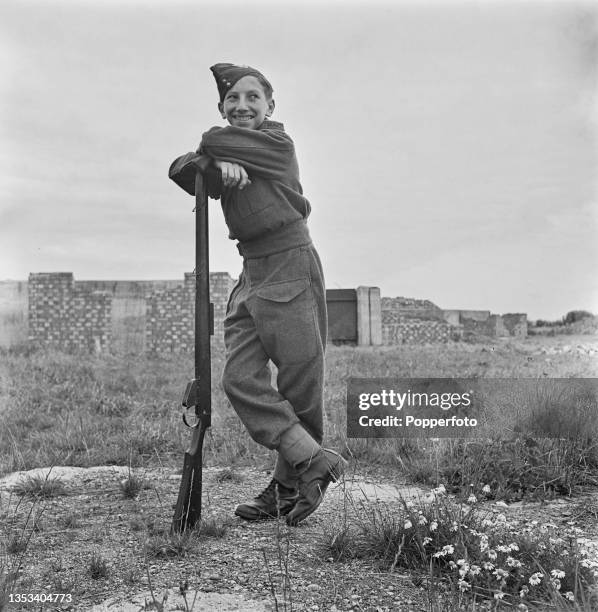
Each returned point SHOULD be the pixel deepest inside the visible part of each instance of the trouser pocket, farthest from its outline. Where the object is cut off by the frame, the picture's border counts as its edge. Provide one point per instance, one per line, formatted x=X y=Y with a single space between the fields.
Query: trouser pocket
x=285 y=321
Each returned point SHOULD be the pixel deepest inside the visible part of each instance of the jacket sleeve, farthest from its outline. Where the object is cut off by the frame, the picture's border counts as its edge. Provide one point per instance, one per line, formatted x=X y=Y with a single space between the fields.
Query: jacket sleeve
x=184 y=168
x=266 y=153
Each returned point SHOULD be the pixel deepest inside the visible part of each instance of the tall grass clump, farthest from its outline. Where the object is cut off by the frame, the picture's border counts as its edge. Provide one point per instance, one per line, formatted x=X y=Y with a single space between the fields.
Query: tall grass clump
x=548 y=445
x=515 y=469
x=474 y=555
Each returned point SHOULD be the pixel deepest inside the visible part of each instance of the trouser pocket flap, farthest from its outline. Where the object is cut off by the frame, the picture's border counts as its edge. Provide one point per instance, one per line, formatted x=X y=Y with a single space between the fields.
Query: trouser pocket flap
x=284 y=291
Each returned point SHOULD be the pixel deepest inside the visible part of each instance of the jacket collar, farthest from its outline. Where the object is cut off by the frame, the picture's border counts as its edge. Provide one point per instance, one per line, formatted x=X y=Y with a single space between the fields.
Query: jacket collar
x=268 y=124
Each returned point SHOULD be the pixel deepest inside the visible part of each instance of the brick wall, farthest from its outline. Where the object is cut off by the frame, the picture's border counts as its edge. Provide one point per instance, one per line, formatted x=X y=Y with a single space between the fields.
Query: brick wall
x=67 y=317
x=137 y=316
x=170 y=323
x=119 y=316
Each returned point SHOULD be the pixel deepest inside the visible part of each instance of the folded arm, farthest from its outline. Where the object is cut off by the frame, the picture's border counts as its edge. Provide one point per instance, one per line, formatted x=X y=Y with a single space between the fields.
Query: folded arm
x=184 y=168
x=266 y=153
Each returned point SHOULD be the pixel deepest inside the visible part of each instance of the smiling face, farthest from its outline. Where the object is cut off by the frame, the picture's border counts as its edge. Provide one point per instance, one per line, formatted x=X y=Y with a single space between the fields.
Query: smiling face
x=246 y=104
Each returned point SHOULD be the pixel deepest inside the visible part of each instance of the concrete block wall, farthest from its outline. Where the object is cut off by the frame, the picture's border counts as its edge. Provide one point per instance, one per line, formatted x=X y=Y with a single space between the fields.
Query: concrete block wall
x=169 y=320
x=170 y=325
x=14 y=306
x=409 y=308
x=455 y=317
x=66 y=317
x=52 y=309
x=118 y=316
x=369 y=319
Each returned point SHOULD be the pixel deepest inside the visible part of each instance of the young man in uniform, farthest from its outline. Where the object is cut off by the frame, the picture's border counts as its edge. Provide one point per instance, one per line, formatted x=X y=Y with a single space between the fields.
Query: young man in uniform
x=277 y=310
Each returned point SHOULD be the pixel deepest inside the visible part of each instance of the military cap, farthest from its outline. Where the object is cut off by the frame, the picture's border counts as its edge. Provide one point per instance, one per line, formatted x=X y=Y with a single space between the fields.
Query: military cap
x=227 y=75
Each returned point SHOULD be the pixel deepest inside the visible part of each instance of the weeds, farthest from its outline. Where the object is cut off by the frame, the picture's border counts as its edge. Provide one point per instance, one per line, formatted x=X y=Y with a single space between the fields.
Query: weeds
x=12 y=554
x=471 y=554
x=214 y=528
x=131 y=486
x=39 y=485
x=171 y=545
x=98 y=567
x=514 y=469
x=228 y=475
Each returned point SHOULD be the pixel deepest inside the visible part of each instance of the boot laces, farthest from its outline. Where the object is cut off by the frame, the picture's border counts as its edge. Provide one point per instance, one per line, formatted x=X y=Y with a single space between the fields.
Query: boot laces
x=269 y=490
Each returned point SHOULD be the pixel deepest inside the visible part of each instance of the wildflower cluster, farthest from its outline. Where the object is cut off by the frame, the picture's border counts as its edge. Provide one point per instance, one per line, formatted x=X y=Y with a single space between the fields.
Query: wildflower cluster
x=483 y=554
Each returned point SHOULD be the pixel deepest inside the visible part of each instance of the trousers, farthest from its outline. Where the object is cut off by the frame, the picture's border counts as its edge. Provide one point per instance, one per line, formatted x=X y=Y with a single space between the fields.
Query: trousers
x=277 y=312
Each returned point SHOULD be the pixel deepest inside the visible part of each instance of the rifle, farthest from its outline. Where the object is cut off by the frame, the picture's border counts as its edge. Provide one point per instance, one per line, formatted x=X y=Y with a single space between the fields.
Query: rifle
x=198 y=393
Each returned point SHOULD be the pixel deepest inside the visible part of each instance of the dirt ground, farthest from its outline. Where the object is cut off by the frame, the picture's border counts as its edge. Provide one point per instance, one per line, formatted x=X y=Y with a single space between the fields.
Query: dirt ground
x=242 y=570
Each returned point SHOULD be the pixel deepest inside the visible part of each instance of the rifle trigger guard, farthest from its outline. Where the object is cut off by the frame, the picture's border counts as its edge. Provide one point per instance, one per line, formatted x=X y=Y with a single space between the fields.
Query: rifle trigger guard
x=195 y=425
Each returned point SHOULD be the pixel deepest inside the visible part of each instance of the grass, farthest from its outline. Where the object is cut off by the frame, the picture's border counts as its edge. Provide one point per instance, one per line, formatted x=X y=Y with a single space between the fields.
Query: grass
x=13 y=548
x=98 y=567
x=127 y=414
x=38 y=485
x=170 y=545
x=469 y=555
x=131 y=486
x=127 y=411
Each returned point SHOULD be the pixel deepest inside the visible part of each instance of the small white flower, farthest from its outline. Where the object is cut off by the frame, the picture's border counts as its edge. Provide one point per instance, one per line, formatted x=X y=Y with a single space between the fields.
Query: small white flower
x=463 y=585
x=454 y=526
x=422 y=520
x=555 y=573
x=501 y=503
x=492 y=554
x=446 y=550
x=433 y=526
x=535 y=579
x=408 y=524
x=499 y=595
x=513 y=562
x=513 y=546
x=472 y=499
x=483 y=543
x=556 y=583
x=569 y=595
x=524 y=591
x=475 y=570
x=441 y=490
x=488 y=566
x=426 y=541
x=486 y=489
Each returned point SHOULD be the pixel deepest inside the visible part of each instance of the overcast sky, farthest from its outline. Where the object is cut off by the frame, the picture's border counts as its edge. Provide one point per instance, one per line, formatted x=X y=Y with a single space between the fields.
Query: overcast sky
x=448 y=149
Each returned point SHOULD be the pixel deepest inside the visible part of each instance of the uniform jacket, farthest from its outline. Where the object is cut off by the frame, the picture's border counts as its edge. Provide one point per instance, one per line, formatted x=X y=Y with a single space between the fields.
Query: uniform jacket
x=273 y=200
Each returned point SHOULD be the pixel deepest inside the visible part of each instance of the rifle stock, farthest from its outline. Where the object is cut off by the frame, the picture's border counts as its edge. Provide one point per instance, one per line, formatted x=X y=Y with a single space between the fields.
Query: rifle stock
x=198 y=393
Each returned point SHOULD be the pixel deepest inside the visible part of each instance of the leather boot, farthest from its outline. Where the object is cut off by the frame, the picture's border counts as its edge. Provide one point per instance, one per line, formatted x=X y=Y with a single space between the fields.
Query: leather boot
x=314 y=477
x=275 y=500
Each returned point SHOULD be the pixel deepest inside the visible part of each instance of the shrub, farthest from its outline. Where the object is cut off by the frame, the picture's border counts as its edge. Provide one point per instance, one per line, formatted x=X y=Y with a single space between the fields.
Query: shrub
x=577 y=315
